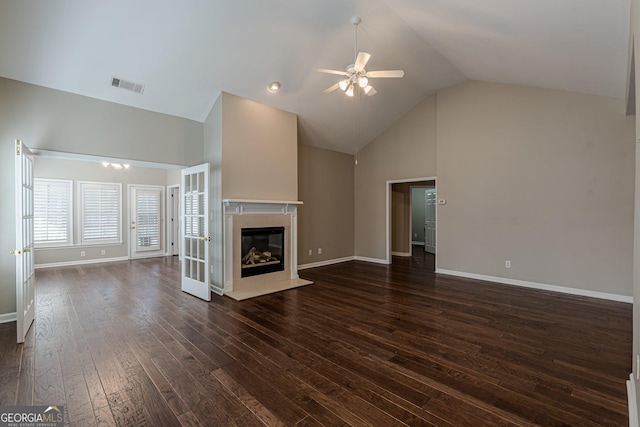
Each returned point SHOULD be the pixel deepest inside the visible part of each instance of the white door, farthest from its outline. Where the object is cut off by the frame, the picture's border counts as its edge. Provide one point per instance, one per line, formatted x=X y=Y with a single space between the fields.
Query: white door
x=146 y=207
x=25 y=278
x=195 y=231
x=430 y=221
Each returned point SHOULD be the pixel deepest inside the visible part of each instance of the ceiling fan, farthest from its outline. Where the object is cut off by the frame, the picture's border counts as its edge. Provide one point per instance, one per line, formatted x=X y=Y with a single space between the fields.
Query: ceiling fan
x=355 y=74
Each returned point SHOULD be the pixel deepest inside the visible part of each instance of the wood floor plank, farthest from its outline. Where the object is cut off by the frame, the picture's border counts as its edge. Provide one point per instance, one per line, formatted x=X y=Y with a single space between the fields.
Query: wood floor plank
x=120 y=344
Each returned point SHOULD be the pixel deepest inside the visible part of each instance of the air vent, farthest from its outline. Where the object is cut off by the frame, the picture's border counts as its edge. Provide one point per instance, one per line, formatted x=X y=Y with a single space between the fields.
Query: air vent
x=124 y=84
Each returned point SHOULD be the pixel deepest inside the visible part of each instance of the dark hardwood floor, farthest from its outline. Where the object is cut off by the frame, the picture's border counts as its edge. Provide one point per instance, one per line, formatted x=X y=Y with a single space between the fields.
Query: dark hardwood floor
x=120 y=344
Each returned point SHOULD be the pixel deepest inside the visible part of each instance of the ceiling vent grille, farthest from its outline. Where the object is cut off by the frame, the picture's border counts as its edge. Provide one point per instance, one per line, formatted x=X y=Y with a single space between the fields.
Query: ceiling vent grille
x=124 y=84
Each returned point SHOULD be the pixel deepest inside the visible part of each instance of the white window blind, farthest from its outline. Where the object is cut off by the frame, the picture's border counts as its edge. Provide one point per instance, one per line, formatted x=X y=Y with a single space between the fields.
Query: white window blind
x=52 y=212
x=100 y=212
x=148 y=219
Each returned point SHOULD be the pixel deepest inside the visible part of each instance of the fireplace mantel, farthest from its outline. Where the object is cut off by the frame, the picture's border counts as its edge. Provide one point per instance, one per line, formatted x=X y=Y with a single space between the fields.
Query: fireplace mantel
x=247 y=206
x=239 y=213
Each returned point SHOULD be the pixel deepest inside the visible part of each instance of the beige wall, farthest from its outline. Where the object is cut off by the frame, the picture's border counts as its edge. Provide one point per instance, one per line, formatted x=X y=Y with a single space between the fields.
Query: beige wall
x=326 y=219
x=406 y=150
x=539 y=177
x=259 y=152
x=53 y=120
x=90 y=171
x=252 y=152
x=634 y=36
x=213 y=155
x=400 y=218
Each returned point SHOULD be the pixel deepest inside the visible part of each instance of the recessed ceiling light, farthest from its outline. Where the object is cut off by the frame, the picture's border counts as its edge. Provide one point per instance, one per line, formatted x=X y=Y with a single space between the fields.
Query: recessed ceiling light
x=274 y=86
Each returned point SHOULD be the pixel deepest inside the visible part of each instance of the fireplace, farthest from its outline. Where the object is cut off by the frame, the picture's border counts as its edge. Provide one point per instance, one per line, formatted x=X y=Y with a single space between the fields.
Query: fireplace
x=262 y=250
x=271 y=227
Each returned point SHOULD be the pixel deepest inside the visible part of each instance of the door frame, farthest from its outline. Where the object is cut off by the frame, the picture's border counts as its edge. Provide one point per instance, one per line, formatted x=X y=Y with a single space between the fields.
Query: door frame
x=170 y=232
x=388 y=185
x=150 y=254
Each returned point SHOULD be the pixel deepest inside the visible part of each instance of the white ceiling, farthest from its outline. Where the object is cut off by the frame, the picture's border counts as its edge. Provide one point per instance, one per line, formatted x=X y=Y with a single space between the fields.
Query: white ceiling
x=186 y=52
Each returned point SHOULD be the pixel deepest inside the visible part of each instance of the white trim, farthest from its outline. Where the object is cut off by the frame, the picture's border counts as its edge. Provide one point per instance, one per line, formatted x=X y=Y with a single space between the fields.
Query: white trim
x=8 y=317
x=374 y=260
x=168 y=226
x=326 y=262
x=388 y=184
x=394 y=253
x=162 y=240
x=541 y=286
x=82 y=262
x=632 y=402
x=233 y=207
x=417 y=243
x=227 y=202
x=80 y=196
x=100 y=159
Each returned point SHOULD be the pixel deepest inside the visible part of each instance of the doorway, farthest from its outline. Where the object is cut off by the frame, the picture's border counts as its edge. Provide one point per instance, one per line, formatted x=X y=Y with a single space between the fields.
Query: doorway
x=411 y=217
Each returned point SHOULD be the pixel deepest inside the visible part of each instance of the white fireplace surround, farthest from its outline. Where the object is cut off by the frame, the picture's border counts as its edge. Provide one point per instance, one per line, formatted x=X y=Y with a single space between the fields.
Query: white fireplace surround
x=240 y=213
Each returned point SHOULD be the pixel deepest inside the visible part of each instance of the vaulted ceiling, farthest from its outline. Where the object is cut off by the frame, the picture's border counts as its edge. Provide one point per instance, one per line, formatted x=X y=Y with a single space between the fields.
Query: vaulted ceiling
x=186 y=52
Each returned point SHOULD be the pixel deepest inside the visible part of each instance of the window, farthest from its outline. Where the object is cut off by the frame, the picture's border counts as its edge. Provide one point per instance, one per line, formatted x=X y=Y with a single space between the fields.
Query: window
x=100 y=212
x=52 y=212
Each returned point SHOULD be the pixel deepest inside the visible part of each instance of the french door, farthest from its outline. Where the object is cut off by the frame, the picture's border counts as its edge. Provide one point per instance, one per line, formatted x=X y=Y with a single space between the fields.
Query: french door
x=146 y=232
x=195 y=231
x=25 y=277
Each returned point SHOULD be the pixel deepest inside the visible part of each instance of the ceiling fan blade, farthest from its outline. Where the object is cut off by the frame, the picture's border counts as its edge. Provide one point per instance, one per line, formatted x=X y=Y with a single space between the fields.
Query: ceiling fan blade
x=386 y=73
x=361 y=61
x=372 y=92
x=327 y=71
x=332 y=88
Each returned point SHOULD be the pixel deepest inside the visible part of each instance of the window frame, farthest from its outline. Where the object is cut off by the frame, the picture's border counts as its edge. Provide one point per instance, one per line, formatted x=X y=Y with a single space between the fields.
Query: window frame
x=81 y=218
x=70 y=217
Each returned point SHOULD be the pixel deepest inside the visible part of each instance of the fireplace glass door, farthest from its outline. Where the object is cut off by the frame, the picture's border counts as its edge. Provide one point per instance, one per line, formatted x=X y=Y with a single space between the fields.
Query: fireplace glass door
x=262 y=250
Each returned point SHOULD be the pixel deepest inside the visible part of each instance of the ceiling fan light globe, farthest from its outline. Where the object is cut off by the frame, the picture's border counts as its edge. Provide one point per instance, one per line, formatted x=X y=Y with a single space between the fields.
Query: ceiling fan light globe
x=363 y=81
x=367 y=89
x=350 y=91
x=343 y=84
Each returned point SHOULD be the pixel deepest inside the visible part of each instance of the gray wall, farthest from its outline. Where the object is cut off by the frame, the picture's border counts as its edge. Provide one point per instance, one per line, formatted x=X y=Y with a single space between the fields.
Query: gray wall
x=53 y=120
x=326 y=219
x=634 y=43
x=405 y=150
x=542 y=178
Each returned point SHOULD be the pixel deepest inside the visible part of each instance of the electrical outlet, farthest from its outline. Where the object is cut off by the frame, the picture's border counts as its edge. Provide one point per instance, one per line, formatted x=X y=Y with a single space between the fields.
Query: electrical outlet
x=415 y=234
x=319 y=251
x=103 y=252
x=310 y=251
x=507 y=264
x=83 y=253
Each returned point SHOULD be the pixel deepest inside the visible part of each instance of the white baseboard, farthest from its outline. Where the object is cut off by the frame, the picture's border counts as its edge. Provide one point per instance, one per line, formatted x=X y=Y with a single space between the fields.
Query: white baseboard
x=82 y=262
x=418 y=243
x=542 y=286
x=632 y=402
x=327 y=262
x=374 y=260
x=8 y=317
x=400 y=253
